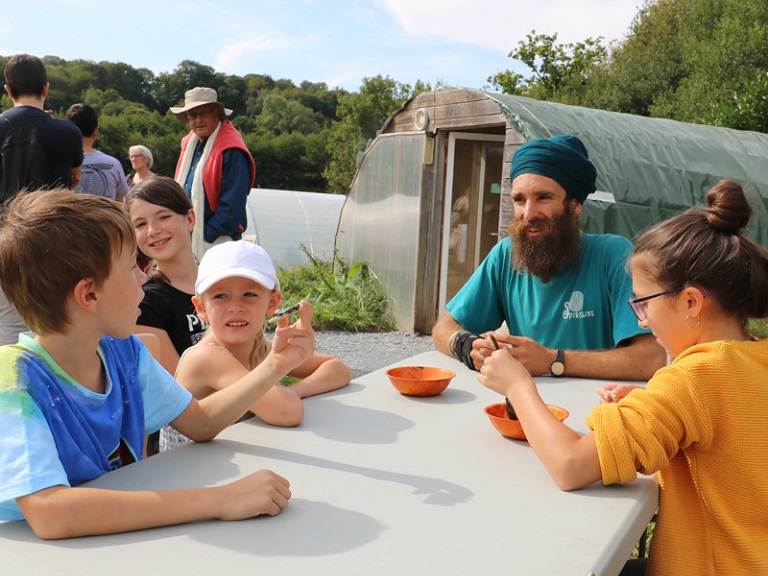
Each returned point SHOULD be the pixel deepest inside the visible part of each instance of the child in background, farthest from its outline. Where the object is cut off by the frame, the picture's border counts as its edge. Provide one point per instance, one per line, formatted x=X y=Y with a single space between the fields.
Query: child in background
x=162 y=217
x=79 y=395
x=701 y=421
x=236 y=290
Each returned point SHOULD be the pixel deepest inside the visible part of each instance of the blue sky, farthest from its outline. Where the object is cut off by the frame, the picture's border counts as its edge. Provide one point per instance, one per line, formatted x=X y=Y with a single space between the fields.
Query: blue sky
x=454 y=42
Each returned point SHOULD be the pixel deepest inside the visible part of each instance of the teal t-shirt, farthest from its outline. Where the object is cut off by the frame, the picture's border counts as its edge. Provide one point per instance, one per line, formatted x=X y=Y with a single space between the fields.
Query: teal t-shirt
x=583 y=307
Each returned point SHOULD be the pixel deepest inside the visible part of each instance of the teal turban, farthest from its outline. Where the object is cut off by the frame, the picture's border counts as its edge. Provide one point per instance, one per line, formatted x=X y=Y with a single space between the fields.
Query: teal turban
x=562 y=158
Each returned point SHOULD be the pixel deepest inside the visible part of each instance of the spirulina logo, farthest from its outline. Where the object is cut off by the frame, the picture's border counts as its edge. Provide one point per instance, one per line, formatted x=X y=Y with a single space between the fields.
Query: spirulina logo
x=573 y=308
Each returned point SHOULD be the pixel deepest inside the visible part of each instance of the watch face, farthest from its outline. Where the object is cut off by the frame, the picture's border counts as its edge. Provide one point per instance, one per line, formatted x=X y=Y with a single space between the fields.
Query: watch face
x=557 y=368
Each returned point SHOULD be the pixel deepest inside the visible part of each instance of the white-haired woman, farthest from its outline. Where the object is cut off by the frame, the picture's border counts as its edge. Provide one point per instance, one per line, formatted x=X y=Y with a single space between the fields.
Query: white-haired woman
x=141 y=162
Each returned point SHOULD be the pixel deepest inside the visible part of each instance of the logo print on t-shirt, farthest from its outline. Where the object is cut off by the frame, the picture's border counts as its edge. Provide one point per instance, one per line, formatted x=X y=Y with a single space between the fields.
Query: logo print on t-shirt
x=573 y=308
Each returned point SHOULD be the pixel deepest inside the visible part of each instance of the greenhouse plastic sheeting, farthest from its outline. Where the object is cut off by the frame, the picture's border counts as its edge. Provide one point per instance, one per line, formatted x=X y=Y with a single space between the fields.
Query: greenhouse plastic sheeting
x=654 y=168
x=284 y=220
x=380 y=223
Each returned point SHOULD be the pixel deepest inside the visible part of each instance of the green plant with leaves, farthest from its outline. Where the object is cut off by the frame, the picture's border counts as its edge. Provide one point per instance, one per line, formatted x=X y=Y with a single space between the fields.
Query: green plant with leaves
x=361 y=115
x=758 y=328
x=349 y=298
x=558 y=70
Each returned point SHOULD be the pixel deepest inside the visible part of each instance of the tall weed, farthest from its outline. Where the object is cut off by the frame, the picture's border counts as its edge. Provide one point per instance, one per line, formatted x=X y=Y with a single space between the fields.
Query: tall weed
x=349 y=298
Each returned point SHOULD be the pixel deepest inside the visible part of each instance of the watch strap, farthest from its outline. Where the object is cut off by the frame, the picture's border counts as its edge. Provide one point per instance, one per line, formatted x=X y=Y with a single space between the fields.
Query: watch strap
x=557 y=368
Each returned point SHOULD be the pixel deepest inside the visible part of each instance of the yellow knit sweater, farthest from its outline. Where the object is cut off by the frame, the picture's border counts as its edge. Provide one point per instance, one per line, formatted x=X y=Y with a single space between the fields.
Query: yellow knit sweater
x=702 y=423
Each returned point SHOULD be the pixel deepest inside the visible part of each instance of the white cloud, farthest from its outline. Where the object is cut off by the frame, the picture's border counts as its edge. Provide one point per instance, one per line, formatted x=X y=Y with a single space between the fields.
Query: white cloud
x=231 y=55
x=501 y=24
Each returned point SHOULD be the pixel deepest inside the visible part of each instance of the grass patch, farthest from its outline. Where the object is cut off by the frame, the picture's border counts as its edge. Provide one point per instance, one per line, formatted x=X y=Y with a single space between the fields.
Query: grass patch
x=348 y=298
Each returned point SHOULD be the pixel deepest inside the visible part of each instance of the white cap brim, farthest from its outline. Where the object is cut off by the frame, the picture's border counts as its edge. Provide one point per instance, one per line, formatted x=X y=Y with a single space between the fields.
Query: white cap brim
x=203 y=284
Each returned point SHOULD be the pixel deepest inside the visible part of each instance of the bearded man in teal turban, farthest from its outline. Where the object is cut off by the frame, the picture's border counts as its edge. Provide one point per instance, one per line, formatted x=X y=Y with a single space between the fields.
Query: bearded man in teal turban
x=562 y=294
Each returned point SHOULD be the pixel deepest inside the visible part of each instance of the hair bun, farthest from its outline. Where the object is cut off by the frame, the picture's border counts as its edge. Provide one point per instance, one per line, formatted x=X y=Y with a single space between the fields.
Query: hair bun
x=728 y=212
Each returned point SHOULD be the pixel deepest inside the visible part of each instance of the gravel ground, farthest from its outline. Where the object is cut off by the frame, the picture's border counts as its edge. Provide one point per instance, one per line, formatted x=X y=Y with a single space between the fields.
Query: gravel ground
x=368 y=351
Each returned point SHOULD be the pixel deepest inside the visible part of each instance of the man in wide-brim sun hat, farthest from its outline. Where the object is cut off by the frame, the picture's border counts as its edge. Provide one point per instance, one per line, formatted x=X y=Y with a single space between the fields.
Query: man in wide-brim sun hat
x=215 y=168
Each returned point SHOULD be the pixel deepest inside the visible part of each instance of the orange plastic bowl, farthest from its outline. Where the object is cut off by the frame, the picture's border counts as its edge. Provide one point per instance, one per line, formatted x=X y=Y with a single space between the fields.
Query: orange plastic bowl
x=420 y=380
x=497 y=414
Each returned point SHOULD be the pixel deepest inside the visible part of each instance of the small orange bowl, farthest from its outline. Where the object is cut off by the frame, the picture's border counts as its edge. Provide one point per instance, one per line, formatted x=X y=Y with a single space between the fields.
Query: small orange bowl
x=420 y=380
x=497 y=414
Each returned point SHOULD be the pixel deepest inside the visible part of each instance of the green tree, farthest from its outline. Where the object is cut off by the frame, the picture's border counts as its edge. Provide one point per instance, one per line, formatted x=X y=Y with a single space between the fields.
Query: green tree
x=169 y=88
x=133 y=84
x=651 y=62
x=559 y=71
x=725 y=46
x=361 y=115
x=134 y=124
x=691 y=60
x=288 y=161
x=345 y=141
x=303 y=137
x=747 y=109
x=280 y=115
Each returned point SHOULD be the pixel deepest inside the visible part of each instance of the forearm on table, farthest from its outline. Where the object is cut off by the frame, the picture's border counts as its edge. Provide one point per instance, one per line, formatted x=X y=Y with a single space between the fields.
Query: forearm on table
x=329 y=375
x=442 y=331
x=570 y=459
x=210 y=415
x=63 y=512
x=637 y=361
x=280 y=406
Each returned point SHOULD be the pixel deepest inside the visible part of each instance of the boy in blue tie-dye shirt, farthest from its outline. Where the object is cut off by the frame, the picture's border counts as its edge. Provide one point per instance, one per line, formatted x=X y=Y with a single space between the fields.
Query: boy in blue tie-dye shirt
x=78 y=395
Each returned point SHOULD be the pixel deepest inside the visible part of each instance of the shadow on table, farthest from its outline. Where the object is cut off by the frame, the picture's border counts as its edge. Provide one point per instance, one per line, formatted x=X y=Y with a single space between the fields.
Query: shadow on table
x=448 y=396
x=325 y=416
x=305 y=528
x=350 y=424
x=436 y=490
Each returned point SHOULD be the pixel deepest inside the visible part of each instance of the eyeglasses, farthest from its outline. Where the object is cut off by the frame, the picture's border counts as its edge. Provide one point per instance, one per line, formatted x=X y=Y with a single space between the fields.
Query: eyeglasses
x=640 y=305
x=200 y=112
x=134 y=156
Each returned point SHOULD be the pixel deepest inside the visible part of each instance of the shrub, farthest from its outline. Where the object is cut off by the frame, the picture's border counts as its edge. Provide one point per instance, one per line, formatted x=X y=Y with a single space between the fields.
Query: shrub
x=349 y=298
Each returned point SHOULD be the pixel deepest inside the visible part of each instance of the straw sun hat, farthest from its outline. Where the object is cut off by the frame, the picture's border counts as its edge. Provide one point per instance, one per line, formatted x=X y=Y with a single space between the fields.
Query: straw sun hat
x=198 y=97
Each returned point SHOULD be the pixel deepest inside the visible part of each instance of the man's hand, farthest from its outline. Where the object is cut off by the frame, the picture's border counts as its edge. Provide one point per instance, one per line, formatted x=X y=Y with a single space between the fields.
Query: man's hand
x=536 y=358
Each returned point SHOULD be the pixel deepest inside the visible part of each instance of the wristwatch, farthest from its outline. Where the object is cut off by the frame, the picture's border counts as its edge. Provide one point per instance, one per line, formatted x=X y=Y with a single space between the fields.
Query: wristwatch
x=557 y=368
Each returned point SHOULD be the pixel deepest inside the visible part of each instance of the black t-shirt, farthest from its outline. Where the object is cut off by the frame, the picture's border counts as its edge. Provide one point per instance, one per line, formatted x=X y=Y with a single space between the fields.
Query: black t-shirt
x=168 y=308
x=62 y=140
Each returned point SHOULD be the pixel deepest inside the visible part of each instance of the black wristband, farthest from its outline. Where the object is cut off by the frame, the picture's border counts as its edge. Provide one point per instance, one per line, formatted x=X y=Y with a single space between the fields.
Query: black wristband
x=463 y=346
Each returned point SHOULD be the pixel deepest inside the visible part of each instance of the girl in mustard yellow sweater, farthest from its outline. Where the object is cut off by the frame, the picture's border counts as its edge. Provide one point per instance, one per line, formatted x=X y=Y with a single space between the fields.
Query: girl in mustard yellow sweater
x=702 y=421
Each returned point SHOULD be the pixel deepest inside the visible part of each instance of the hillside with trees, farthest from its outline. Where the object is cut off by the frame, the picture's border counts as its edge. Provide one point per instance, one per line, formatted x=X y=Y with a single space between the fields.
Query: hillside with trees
x=302 y=137
x=701 y=61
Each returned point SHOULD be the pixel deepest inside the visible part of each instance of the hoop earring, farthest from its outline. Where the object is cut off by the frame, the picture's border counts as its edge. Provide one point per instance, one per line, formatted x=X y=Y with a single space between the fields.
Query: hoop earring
x=698 y=322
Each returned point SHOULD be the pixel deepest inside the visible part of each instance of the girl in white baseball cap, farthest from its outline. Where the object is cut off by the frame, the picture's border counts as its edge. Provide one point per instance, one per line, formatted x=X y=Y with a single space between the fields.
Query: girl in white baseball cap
x=236 y=291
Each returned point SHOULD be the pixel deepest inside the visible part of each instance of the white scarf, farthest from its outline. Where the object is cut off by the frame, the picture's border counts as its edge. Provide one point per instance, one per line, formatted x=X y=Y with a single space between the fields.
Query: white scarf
x=198 y=190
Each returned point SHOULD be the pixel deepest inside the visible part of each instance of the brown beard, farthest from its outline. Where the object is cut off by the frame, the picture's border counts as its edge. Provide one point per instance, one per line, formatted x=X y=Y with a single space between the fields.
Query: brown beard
x=543 y=256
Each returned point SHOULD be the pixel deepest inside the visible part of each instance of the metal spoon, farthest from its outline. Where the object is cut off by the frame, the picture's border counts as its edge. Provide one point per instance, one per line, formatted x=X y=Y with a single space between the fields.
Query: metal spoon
x=510 y=411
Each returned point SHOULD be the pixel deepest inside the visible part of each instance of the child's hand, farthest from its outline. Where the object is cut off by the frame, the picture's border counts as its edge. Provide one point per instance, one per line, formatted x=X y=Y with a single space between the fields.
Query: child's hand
x=613 y=392
x=501 y=371
x=293 y=344
x=262 y=492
